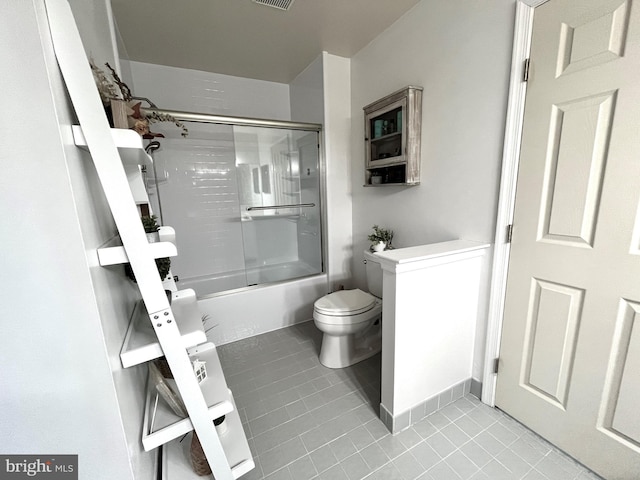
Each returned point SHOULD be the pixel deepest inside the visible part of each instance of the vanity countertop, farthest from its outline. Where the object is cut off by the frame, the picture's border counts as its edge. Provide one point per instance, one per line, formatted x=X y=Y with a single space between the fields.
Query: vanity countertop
x=431 y=251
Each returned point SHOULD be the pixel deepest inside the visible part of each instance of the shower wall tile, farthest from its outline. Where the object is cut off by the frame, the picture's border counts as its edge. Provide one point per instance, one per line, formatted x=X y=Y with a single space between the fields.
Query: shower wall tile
x=189 y=90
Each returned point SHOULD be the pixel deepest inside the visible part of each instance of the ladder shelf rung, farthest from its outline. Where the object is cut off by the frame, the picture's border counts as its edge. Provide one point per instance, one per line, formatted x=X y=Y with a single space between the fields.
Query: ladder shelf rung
x=132 y=155
x=117 y=255
x=128 y=142
x=176 y=461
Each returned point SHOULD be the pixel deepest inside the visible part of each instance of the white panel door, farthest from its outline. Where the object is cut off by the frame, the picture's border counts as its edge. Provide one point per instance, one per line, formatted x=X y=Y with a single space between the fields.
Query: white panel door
x=570 y=352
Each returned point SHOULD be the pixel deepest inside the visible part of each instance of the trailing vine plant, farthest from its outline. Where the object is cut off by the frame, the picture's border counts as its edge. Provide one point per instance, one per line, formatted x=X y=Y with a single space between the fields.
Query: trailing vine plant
x=138 y=119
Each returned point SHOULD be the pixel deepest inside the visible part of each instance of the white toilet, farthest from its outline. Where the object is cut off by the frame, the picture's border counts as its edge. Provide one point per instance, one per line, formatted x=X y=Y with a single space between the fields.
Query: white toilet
x=351 y=320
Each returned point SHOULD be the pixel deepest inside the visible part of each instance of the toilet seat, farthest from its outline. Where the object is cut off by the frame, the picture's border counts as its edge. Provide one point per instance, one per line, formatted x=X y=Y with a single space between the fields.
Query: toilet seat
x=346 y=308
x=345 y=303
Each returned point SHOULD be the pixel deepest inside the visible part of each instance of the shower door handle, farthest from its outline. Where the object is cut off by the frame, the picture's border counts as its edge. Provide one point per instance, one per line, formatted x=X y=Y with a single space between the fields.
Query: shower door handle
x=275 y=207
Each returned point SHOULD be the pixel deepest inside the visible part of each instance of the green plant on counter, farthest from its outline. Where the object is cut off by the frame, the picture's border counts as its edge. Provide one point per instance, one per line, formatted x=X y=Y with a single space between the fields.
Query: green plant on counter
x=381 y=235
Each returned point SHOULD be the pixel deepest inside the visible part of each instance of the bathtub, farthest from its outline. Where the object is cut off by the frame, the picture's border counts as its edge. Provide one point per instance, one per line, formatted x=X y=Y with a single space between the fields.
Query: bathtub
x=248 y=311
x=227 y=281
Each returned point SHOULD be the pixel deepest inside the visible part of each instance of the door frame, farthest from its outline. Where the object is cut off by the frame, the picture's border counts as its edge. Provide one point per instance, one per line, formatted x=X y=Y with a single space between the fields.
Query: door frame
x=510 y=161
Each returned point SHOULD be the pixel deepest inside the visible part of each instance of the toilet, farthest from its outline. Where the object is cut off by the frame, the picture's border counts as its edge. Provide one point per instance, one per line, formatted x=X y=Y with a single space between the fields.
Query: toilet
x=351 y=320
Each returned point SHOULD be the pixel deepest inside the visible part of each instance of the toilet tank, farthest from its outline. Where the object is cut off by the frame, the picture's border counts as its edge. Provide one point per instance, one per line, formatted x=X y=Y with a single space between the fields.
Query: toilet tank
x=374 y=274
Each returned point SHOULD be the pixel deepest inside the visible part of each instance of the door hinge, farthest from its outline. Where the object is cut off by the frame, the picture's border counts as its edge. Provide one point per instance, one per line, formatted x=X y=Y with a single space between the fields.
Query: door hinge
x=525 y=73
x=509 y=232
x=496 y=362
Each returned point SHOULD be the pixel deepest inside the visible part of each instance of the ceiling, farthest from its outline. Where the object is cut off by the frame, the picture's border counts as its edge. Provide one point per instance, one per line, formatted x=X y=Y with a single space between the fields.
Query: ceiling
x=245 y=39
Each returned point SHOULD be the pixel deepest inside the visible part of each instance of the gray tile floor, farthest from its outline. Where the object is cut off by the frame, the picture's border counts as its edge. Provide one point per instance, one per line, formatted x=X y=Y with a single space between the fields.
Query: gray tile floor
x=305 y=421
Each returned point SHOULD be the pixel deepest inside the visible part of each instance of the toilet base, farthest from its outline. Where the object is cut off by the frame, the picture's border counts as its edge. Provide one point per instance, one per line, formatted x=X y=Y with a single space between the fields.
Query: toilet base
x=346 y=350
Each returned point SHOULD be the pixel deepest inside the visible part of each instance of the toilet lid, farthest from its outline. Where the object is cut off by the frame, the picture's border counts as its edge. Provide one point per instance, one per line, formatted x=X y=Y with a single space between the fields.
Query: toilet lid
x=345 y=302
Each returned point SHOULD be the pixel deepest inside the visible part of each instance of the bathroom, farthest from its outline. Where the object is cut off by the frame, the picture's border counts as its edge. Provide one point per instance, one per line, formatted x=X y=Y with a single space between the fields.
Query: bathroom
x=464 y=111
x=456 y=198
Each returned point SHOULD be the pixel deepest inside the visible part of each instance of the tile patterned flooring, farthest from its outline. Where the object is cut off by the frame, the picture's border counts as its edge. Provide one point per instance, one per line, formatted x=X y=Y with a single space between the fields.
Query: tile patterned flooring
x=305 y=421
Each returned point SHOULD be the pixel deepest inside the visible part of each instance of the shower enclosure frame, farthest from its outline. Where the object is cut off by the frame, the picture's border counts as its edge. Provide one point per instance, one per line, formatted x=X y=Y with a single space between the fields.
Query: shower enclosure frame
x=265 y=123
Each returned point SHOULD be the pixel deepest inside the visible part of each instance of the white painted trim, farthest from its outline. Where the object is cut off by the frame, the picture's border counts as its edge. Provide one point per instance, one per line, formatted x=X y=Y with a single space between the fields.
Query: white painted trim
x=511 y=157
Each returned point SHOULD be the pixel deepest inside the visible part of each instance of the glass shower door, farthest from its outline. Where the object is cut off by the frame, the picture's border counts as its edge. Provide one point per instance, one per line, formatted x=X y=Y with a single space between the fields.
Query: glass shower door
x=196 y=192
x=245 y=201
x=279 y=190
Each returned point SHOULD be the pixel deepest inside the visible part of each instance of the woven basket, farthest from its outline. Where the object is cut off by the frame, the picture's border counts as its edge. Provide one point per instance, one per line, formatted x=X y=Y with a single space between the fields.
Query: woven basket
x=198 y=459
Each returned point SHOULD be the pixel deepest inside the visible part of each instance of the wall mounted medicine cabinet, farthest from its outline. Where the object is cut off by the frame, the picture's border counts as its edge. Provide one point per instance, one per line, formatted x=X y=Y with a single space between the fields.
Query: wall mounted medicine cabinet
x=392 y=139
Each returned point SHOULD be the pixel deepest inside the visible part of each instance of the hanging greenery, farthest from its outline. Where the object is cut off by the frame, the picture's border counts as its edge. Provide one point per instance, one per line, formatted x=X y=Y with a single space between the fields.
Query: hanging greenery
x=137 y=118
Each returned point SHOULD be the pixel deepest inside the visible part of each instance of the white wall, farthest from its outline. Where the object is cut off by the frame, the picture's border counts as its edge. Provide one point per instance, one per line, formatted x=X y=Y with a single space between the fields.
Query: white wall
x=459 y=52
x=321 y=94
x=173 y=88
x=96 y=30
x=123 y=56
x=337 y=141
x=306 y=93
x=63 y=388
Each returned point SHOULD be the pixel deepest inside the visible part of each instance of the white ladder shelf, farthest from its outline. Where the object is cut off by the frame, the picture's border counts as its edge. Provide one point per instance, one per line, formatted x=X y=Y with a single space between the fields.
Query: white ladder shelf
x=144 y=342
x=117 y=156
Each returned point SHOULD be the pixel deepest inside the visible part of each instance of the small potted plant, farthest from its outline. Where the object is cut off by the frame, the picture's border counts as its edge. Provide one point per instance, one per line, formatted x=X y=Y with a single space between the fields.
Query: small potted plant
x=380 y=239
x=151 y=229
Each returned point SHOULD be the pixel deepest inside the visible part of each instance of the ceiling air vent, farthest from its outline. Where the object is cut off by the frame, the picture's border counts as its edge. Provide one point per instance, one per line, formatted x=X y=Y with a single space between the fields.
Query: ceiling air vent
x=279 y=4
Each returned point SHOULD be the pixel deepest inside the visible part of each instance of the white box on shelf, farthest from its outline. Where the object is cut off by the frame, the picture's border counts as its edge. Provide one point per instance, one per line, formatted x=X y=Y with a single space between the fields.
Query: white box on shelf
x=167 y=234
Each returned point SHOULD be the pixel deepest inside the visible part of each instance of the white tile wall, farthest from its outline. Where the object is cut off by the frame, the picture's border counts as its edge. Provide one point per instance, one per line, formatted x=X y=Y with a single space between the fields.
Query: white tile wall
x=188 y=90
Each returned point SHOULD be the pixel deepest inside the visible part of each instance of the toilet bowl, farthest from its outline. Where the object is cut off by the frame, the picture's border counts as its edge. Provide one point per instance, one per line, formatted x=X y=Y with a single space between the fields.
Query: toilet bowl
x=351 y=321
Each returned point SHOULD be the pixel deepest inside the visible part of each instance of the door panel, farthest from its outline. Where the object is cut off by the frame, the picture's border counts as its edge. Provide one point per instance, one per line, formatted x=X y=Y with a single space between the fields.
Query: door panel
x=570 y=351
x=550 y=341
x=619 y=414
x=597 y=37
x=579 y=137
